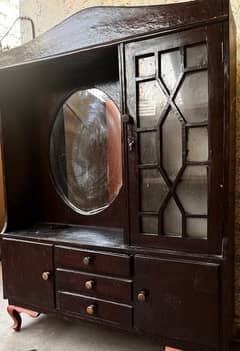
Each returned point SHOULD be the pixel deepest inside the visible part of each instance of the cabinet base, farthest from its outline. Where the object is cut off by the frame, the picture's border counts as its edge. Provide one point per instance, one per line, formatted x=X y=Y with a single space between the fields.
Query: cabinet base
x=14 y=312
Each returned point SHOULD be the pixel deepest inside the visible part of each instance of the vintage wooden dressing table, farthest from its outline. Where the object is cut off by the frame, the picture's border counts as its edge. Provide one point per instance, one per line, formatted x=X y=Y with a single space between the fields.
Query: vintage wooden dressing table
x=118 y=147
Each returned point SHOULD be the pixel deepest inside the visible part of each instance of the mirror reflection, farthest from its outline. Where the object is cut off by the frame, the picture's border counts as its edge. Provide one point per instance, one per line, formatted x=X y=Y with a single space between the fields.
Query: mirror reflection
x=85 y=151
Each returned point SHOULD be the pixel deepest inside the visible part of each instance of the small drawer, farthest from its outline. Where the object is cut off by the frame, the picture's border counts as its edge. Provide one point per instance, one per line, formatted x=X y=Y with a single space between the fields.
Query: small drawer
x=94 y=285
x=114 y=313
x=92 y=261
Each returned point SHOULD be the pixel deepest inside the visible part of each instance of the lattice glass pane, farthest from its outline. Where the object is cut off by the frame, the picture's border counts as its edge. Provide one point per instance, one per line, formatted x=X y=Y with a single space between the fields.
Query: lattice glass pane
x=153 y=190
x=192 y=98
x=170 y=68
x=192 y=190
x=172 y=219
x=197 y=228
x=146 y=66
x=196 y=55
x=149 y=224
x=198 y=144
x=151 y=103
x=172 y=144
x=148 y=147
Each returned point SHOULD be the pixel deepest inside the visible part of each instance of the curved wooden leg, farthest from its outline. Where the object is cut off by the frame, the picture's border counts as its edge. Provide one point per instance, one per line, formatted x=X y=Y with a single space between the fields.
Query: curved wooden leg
x=14 y=312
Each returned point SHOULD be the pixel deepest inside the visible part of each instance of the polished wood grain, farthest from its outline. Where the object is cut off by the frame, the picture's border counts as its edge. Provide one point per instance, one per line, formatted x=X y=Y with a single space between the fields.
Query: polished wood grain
x=178 y=293
x=102 y=286
x=100 y=262
x=87 y=236
x=108 y=25
x=23 y=265
x=94 y=240
x=114 y=313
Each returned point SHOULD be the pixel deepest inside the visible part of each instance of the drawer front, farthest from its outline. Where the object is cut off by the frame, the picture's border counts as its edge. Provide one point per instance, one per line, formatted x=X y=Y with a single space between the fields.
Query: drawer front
x=92 y=261
x=94 y=285
x=119 y=315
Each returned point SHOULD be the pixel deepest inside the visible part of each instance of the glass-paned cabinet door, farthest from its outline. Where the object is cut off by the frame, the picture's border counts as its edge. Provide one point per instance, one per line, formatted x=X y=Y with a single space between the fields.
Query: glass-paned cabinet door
x=175 y=104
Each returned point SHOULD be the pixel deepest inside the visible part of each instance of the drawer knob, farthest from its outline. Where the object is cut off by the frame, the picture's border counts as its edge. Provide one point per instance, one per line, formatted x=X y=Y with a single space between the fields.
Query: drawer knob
x=90 y=310
x=142 y=296
x=87 y=261
x=89 y=284
x=46 y=275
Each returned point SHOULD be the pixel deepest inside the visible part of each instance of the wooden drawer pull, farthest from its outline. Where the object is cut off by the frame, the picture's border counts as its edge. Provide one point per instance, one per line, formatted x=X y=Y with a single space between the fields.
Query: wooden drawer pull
x=142 y=296
x=89 y=285
x=87 y=260
x=91 y=310
x=46 y=275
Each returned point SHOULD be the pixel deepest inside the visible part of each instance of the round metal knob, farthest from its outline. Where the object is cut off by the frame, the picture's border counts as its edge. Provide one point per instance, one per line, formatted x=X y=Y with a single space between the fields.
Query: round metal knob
x=46 y=275
x=142 y=296
x=89 y=284
x=90 y=310
x=87 y=260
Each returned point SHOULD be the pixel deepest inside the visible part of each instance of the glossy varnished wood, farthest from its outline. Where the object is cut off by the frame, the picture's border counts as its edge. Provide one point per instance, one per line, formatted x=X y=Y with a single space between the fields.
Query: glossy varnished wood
x=111 y=25
x=171 y=288
x=23 y=265
x=87 y=236
x=97 y=239
x=114 y=313
x=103 y=286
x=100 y=262
x=20 y=155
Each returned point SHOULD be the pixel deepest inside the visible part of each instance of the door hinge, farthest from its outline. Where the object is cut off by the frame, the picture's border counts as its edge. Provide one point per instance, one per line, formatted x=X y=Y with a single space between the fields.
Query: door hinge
x=225 y=243
x=222 y=49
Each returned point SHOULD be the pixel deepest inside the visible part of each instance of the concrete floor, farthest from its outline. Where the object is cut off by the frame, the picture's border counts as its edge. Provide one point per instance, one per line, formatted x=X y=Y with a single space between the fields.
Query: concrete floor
x=48 y=333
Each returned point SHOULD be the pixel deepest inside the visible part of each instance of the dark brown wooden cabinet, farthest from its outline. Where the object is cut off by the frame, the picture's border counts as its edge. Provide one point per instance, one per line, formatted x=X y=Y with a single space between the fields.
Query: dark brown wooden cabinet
x=118 y=149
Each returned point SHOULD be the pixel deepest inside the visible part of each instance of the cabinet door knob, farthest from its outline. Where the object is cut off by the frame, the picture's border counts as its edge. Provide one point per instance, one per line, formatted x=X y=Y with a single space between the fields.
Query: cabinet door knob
x=89 y=284
x=87 y=260
x=90 y=310
x=142 y=296
x=46 y=275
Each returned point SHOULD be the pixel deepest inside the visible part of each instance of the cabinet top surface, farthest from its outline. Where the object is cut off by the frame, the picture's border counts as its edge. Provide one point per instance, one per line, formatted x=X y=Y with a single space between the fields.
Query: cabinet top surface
x=109 y=26
x=90 y=236
x=93 y=238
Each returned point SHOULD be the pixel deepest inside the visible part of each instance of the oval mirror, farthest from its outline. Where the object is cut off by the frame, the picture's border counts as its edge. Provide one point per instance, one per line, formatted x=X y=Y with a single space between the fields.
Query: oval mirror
x=85 y=151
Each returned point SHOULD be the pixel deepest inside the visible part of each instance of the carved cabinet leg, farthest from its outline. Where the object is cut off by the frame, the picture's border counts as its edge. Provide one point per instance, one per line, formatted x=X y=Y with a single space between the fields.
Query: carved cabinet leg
x=14 y=312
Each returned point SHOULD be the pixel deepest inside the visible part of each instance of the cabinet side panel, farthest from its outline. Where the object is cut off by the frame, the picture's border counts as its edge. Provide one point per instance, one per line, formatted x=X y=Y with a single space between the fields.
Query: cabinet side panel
x=20 y=163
